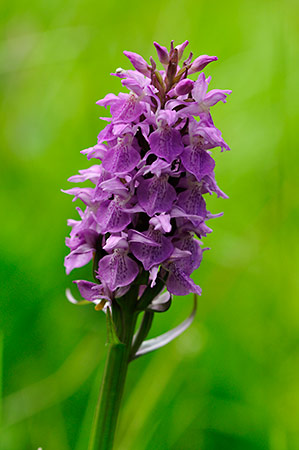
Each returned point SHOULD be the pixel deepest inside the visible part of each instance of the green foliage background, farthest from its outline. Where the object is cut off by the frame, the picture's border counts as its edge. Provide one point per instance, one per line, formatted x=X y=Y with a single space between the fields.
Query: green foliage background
x=231 y=381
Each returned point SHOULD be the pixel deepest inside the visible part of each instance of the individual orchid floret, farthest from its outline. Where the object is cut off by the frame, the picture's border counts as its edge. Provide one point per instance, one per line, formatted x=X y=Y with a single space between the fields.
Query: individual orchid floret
x=179 y=281
x=84 y=194
x=158 y=167
x=93 y=292
x=156 y=195
x=116 y=242
x=206 y=134
x=82 y=241
x=150 y=247
x=78 y=257
x=117 y=269
x=135 y=81
x=92 y=173
x=111 y=215
x=199 y=101
x=186 y=242
x=123 y=157
x=197 y=160
x=204 y=99
x=125 y=108
x=192 y=202
x=166 y=141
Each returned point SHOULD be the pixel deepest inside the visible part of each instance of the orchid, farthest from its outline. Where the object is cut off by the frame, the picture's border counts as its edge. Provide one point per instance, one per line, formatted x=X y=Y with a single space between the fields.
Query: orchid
x=153 y=169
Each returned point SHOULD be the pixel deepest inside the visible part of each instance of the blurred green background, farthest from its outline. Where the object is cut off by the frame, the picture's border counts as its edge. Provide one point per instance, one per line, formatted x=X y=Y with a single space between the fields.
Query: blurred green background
x=232 y=380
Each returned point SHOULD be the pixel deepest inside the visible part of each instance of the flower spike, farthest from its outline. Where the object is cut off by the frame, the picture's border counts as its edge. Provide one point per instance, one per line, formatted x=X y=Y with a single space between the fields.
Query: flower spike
x=153 y=169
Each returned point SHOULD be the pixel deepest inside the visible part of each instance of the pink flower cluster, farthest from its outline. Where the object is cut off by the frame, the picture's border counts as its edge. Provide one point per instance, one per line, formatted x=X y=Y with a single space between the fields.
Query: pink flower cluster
x=153 y=169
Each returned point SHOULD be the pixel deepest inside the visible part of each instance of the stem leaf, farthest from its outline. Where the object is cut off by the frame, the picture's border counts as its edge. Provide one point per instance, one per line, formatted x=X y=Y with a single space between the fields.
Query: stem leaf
x=153 y=344
x=112 y=337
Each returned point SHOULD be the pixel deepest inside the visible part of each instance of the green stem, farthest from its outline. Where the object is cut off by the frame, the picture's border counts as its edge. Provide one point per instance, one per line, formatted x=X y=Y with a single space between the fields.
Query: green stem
x=121 y=327
x=106 y=414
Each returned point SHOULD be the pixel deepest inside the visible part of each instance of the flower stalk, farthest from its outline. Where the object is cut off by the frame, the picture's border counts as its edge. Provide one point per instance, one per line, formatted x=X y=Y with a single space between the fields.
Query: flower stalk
x=105 y=419
x=118 y=357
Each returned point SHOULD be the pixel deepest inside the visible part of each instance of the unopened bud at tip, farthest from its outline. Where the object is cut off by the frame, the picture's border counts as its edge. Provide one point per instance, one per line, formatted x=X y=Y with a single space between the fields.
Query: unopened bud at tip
x=180 y=48
x=200 y=63
x=162 y=53
x=184 y=87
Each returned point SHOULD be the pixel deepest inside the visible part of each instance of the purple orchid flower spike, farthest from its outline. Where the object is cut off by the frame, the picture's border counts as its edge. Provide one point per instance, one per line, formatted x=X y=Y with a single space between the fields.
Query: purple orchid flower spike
x=145 y=205
x=157 y=167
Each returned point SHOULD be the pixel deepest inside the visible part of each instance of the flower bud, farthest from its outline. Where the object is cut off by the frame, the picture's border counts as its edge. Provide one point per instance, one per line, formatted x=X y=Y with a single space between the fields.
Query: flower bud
x=162 y=53
x=184 y=87
x=181 y=48
x=154 y=65
x=139 y=63
x=200 y=63
x=172 y=68
x=188 y=60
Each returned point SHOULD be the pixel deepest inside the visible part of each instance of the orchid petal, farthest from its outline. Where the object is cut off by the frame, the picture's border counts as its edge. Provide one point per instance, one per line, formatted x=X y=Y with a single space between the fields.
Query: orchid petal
x=197 y=161
x=78 y=258
x=151 y=255
x=179 y=283
x=166 y=143
x=136 y=236
x=156 y=195
x=111 y=217
x=122 y=158
x=117 y=270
